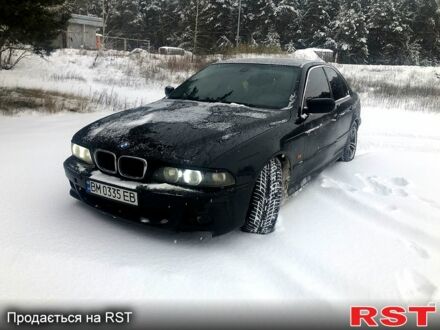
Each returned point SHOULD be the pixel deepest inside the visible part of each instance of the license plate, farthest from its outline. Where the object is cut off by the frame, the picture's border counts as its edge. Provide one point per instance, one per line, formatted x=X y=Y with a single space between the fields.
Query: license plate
x=112 y=192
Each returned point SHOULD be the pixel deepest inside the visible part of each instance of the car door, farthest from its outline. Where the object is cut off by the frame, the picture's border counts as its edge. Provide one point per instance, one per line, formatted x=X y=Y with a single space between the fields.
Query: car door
x=318 y=128
x=343 y=113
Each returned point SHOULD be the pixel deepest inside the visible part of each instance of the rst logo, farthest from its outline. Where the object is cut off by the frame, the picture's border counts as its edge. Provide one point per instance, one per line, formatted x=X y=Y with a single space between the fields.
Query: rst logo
x=390 y=316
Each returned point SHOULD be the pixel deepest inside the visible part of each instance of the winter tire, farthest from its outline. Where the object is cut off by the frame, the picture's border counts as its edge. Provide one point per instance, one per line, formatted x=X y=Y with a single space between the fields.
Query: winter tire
x=266 y=200
x=351 y=146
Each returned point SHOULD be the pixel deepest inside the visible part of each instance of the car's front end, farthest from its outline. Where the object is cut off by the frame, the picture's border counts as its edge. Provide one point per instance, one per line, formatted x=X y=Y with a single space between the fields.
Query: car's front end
x=217 y=210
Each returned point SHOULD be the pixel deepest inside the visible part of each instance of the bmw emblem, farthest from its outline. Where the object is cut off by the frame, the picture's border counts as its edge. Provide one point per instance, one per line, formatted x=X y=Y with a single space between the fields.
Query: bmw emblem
x=124 y=145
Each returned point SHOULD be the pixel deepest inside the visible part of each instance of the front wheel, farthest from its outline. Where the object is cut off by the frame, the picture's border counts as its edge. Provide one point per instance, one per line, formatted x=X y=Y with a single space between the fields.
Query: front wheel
x=350 y=148
x=266 y=200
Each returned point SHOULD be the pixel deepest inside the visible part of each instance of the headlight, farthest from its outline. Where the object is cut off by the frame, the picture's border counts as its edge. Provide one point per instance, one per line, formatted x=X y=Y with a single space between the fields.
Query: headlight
x=82 y=153
x=194 y=178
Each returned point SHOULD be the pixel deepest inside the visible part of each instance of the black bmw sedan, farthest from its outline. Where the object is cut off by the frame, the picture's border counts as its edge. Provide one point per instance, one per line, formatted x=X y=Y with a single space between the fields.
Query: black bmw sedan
x=222 y=150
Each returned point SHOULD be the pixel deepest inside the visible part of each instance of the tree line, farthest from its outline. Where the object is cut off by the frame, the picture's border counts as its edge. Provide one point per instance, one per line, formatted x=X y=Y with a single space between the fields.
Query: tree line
x=358 y=31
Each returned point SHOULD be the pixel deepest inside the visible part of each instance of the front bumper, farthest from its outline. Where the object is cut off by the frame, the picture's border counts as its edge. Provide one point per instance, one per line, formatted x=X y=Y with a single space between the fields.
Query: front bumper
x=165 y=206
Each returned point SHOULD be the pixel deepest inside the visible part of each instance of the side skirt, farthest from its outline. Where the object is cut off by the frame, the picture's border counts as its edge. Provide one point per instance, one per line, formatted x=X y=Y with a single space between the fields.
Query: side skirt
x=300 y=184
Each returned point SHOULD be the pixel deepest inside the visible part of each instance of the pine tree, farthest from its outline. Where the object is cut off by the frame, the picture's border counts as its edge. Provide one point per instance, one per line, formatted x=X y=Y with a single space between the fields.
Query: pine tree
x=426 y=27
x=185 y=34
x=390 y=33
x=182 y=34
x=125 y=19
x=315 y=23
x=257 y=20
x=216 y=22
x=158 y=20
x=334 y=7
x=350 y=33
x=286 y=21
x=29 y=25
x=85 y=7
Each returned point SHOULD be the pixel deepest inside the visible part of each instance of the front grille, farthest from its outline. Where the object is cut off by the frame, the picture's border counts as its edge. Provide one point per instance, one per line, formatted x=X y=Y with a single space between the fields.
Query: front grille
x=127 y=166
x=132 y=167
x=106 y=161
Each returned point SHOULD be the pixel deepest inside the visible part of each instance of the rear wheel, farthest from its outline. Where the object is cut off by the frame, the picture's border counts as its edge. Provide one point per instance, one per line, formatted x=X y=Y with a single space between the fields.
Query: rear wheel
x=266 y=200
x=351 y=146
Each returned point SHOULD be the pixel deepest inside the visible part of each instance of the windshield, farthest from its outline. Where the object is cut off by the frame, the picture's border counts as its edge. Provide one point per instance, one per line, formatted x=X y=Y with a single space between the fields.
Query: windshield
x=255 y=85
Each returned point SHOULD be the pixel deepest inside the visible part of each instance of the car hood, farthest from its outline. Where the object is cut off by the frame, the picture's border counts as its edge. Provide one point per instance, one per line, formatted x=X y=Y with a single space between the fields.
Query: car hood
x=178 y=131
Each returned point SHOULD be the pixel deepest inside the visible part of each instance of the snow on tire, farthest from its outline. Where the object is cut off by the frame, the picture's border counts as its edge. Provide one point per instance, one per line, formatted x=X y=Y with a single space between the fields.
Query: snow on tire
x=266 y=200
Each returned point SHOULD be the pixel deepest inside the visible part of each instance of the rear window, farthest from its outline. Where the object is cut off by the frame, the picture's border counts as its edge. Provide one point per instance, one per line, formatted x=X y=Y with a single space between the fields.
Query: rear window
x=338 y=85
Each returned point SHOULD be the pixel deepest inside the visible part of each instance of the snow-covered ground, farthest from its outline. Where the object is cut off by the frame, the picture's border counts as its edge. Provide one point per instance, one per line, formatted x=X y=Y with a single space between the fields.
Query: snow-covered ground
x=367 y=230
x=364 y=231
x=111 y=80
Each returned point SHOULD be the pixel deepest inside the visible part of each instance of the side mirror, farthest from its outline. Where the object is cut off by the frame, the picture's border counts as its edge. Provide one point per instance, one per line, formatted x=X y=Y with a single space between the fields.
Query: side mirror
x=321 y=105
x=169 y=90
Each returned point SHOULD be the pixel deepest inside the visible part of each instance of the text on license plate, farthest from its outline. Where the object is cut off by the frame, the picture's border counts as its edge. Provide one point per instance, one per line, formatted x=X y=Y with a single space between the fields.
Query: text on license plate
x=114 y=193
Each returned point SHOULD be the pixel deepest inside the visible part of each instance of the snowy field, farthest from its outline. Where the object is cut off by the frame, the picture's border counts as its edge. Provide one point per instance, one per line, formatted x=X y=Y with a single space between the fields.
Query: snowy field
x=364 y=231
x=87 y=81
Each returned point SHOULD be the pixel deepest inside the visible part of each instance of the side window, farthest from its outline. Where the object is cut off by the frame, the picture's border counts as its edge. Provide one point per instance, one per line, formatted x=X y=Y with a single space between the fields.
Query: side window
x=317 y=85
x=338 y=85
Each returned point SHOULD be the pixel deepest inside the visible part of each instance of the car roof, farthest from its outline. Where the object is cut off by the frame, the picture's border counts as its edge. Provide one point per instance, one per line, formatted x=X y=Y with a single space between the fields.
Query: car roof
x=272 y=61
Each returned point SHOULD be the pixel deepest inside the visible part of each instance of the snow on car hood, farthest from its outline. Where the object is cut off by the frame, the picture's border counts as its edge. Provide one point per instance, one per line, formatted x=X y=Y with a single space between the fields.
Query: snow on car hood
x=180 y=130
